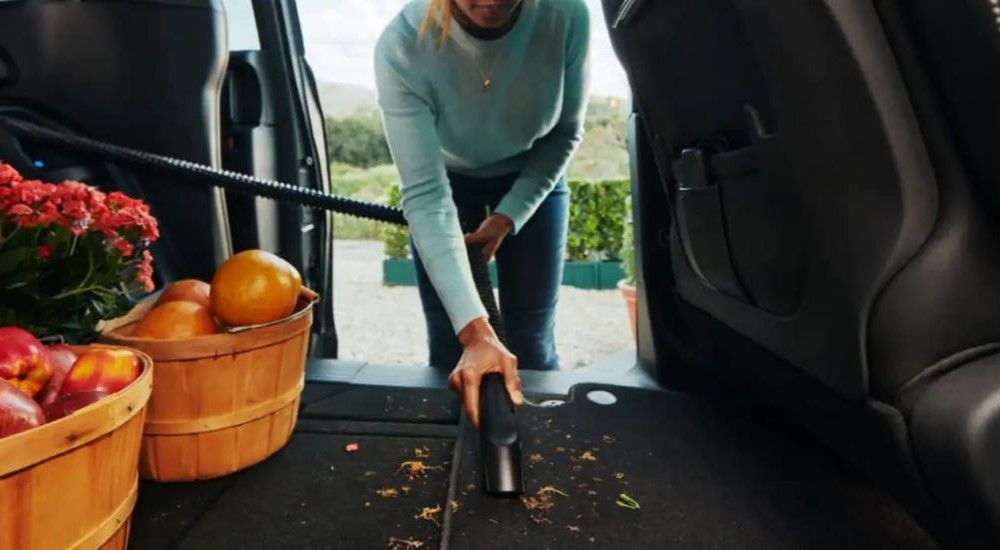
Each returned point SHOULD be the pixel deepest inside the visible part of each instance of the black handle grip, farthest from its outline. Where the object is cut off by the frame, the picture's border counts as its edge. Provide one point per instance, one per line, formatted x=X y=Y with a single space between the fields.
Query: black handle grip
x=500 y=443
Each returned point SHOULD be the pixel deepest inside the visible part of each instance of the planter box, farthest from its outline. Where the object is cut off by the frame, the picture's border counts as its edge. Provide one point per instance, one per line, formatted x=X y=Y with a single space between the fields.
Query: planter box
x=593 y=275
x=586 y=275
x=398 y=272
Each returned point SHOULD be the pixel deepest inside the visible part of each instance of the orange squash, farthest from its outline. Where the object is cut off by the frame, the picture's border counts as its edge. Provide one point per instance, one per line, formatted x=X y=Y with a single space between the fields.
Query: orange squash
x=187 y=290
x=176 y=320
x=254 y=287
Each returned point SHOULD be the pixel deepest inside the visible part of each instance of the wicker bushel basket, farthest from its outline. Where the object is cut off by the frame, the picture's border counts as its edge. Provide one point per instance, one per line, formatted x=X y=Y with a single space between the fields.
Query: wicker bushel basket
x=220 y=403
x=73 y=483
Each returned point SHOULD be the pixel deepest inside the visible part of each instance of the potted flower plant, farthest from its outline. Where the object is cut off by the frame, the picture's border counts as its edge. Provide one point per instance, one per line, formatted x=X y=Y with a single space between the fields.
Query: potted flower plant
x=70 y=255
x=627 y=285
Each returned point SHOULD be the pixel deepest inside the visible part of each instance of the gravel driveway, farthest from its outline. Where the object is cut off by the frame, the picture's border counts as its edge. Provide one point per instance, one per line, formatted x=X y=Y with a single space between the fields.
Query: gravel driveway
x=385 y=324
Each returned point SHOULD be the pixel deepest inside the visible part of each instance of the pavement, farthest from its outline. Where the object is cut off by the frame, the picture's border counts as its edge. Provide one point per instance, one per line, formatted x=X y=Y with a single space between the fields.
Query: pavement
x=381 y=324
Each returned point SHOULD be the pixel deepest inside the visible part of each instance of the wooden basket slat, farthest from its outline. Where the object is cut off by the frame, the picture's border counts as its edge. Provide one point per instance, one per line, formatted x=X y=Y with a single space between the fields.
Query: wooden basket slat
x=72 y=484
x=224 y=402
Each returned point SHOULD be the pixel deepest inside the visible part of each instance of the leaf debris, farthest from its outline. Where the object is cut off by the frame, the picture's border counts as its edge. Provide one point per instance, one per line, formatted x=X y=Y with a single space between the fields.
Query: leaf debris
x=608 y=439
x=387 y=493
x=540 y=504
x=549 y=490
x=430 y=514
x=454 y=506
x=415 y=468
x=400 y=544
x=536 y=458
x=586 y=456
x=422 y=452
x=627 y=502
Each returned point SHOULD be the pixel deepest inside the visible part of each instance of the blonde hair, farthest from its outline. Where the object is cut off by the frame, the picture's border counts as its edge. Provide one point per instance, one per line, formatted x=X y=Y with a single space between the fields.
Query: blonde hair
x=438 y=15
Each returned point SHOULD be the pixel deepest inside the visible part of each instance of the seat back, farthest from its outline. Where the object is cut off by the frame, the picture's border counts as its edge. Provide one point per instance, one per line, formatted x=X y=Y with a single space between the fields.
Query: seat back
x=141 y=73
x=801 y=184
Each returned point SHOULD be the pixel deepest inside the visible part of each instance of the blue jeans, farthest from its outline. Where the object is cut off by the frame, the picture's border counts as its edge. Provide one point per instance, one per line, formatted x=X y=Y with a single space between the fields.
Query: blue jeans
x=529 y=272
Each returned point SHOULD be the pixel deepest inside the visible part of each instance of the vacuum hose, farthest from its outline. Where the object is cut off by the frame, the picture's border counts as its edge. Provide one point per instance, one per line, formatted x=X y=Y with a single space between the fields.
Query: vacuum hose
x=501 y=446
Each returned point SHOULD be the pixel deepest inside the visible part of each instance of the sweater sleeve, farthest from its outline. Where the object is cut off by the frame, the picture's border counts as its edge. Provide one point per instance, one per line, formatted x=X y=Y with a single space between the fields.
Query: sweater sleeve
x=427 y=204
x=550 y=156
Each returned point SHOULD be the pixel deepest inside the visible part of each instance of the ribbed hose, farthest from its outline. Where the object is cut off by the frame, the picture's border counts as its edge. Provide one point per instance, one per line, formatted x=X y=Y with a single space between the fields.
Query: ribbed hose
x=242 y=183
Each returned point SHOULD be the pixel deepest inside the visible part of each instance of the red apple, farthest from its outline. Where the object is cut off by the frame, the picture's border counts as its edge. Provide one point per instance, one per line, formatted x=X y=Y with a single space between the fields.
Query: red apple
x=18 y=412
x=66 y=405
x=61 y=358
x=23 y=361
x=102 y=369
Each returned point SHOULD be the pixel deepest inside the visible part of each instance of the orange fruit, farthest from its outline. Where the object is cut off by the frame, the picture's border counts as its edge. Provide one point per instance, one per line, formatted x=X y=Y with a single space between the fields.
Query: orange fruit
x=187 y=290
x=176 y=320
x=254 y=287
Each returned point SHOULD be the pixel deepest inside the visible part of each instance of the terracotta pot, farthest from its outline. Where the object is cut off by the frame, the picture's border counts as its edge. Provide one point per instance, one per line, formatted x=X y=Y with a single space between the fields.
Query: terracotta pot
x=628 y=293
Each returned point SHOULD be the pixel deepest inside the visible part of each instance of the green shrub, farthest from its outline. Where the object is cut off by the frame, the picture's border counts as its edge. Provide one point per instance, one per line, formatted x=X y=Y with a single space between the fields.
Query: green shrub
x=597 y=217
x=597 y=221
x=628 y=246
x=357 y=140
x=396 y=237
x=372 y=185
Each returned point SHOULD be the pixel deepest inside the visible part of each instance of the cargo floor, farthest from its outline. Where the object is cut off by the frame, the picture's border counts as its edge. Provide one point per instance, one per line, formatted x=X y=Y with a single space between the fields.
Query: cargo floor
x=703 y=476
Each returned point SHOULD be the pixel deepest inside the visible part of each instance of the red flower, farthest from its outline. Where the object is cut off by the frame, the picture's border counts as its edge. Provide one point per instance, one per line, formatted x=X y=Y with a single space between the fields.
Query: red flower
x=20 y=210
x=109 y=228
x=145 y=271
x=123 y=246
x=8 y=174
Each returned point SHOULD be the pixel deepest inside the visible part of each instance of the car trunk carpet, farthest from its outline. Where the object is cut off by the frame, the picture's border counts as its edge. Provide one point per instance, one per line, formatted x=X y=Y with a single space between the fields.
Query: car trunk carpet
x=702 y=475
x=382 y=404
x=656 y=470
x=316 y=494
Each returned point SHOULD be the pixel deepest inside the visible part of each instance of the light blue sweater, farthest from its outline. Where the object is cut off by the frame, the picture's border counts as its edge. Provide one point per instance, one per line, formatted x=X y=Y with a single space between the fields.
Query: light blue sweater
x=439 y=116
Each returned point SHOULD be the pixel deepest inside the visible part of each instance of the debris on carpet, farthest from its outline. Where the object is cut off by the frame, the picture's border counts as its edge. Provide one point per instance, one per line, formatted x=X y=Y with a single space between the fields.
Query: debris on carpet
x=627 y=502
x=430 y=514
x=401 y=544
x=416 y=468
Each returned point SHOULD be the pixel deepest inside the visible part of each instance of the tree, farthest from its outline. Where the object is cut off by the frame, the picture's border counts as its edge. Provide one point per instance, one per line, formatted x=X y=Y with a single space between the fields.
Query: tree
x=357 y=140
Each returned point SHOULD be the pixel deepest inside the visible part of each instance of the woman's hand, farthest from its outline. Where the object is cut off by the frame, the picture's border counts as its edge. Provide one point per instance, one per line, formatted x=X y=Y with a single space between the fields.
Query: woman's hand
x=491 y=234
x=484 y=354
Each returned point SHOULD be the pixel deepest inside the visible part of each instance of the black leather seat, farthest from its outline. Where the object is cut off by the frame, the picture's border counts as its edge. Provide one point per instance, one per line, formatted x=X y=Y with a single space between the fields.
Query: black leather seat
x=834 y=192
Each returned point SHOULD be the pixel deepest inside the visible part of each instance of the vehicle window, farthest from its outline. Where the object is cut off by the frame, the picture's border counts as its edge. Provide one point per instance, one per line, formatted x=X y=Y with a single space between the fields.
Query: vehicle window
x=242 y=27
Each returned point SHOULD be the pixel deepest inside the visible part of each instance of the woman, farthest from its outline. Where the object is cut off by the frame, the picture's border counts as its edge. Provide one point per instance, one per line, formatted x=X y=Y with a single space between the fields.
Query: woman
x=483 y=103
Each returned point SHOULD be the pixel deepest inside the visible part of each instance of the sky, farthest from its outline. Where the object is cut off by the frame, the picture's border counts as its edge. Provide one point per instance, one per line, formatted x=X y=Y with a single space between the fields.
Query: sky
x=340 y=40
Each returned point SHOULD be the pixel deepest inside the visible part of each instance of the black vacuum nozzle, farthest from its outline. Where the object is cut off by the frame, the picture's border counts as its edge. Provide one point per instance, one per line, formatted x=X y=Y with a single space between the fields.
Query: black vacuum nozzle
x=500 y=442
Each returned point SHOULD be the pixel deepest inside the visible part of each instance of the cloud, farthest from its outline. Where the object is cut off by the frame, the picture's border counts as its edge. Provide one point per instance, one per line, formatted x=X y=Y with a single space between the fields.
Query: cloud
x=340 y=38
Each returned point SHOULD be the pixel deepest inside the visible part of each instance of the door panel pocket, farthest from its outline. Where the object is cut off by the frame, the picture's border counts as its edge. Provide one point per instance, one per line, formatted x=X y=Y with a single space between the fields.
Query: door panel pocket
x=701 y=225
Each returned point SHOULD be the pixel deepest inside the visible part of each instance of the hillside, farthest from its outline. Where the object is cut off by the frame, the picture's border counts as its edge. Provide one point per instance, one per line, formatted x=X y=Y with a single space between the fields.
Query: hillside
x=341 y=100
x=345 y=100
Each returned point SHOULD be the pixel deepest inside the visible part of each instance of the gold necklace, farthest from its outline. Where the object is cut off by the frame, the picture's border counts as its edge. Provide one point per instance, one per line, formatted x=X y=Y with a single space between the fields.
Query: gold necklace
x=487 y=78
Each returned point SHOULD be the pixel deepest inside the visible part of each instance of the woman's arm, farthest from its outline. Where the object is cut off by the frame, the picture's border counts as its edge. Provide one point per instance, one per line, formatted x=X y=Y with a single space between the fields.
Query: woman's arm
x=550 y=155
x=427 y=204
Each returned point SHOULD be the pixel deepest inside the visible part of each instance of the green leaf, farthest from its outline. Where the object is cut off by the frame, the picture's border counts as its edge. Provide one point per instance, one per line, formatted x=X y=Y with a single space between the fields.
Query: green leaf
x=10 y=260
